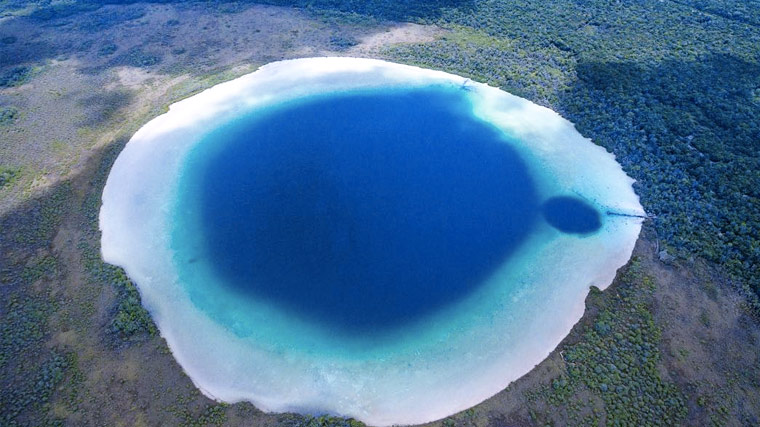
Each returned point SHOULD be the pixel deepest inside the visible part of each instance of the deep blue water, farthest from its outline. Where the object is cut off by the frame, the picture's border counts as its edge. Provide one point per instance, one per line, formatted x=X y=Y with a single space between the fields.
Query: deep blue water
x=571 y=215
x=361 y=210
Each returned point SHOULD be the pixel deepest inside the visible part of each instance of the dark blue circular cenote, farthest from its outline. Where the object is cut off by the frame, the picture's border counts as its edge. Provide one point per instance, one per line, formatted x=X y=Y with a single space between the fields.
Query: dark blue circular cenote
x=360 y=210
x=571 y=215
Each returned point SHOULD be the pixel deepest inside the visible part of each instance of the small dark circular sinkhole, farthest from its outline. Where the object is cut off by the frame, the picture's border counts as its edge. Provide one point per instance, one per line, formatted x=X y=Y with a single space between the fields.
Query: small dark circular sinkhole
x=571 y=215
x=364 y=210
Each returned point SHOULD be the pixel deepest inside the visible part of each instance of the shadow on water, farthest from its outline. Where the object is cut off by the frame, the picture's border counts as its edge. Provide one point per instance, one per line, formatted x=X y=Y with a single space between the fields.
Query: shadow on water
x=364 y=211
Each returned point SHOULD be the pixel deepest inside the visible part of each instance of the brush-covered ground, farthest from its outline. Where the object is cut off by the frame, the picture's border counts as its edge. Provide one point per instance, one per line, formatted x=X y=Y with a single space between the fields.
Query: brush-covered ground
x=671 y=87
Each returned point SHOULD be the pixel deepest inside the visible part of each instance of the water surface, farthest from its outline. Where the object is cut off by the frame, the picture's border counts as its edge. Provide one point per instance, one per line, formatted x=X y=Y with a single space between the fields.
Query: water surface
x=361 y=210
x=362 y=238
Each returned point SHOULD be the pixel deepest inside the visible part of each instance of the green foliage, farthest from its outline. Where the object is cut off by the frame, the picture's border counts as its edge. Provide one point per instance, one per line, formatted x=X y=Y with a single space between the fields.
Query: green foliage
x=15 y=76
x=23 y=325
x=131 y=317
x=47 y=11
x=341 y=42
x=139 y=58
x=423 y=10
x=91 y=204
x=32 y=391
x=210 y=415
x=329 y=421
x=105 y=18
x=29 y=371
x=8 y=116
x=49 y=375
x=39 y=267
x=390 y=10
x=474 y=54
x=617 y=360
x=621 y=364
x=693 y=155
x=130 y=321
x=36 y=226
x=8 y=175
x=737 y=10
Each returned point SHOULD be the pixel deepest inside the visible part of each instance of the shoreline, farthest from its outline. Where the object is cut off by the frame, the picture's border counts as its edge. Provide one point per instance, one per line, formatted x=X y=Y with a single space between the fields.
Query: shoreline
x=157 y=296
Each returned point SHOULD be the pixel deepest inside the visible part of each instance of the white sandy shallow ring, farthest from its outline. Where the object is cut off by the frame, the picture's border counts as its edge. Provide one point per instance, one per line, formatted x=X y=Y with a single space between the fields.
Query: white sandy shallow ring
x=446 y=364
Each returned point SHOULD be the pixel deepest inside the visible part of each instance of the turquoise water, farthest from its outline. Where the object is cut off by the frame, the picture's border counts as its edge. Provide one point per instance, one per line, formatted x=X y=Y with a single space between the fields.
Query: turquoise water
x=362 y=238
x=358 y=211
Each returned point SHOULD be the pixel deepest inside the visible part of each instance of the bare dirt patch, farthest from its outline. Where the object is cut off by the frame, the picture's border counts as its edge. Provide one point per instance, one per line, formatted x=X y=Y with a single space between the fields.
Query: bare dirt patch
x=406 y=33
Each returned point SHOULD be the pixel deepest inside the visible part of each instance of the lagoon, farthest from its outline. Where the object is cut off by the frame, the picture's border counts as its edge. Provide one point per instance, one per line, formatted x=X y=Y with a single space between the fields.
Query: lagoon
x=362 y=238
x=362 y=211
